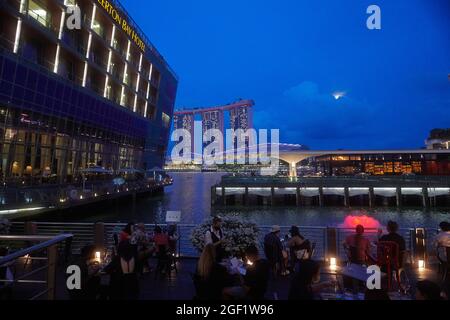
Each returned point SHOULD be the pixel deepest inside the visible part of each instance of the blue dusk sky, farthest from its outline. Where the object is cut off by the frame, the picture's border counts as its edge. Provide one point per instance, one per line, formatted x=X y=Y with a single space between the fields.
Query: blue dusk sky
x=290 y=56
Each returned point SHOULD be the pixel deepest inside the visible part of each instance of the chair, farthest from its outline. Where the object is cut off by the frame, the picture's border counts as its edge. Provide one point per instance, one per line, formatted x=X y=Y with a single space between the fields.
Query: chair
x=163 y=261
x=389 y=257
x=444 y=265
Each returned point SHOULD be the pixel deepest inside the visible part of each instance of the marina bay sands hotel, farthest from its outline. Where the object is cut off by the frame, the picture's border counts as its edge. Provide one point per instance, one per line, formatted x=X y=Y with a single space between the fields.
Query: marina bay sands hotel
x=240 y=113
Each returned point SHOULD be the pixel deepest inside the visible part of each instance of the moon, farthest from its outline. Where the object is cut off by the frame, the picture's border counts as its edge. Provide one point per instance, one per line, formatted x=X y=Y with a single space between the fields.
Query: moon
x=338 y=95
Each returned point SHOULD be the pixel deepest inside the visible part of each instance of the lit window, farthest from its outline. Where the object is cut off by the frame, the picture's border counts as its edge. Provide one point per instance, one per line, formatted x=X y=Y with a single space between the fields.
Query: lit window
x=39 y=13
x=165 y=120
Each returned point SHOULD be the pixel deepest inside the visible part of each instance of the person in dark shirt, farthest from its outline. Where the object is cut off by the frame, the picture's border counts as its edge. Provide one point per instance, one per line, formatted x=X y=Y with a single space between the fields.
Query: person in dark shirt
x=257 y=277
x=273 y=249
x=393 y=236
x=306 y=284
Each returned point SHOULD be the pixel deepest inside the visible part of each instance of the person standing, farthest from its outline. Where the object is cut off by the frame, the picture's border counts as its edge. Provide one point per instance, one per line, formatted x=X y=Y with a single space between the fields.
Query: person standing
x=393 y=236
x=215 y=237
x=273 y=249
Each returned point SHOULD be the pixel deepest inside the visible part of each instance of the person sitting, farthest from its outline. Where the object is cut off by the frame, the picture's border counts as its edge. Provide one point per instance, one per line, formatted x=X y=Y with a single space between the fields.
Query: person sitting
x=145 y=250
x=161 y=240
x=257 y=277
x=211 y=278
x=273 y=249
x=255 y=281
x=427 y=290
x=358 y=247
x=299 y=247
x=306 y=283
x=393 y=236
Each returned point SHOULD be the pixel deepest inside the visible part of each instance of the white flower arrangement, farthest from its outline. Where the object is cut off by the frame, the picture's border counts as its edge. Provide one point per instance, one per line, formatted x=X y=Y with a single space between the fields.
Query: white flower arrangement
x=237 y=235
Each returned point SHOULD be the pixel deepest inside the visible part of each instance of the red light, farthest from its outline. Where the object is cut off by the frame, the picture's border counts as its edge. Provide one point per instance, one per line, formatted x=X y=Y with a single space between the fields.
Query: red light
x=351 y=222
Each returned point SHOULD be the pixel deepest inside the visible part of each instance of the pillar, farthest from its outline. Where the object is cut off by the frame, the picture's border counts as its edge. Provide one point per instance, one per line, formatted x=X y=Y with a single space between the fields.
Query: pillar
x=371 y=197
x=346 y=197
x=298 y=197
x=399 y=197
x=213 y=195
x=425 y=198
x=272 y=197
x=293 y=170
x=52 y=256
x=246 y=197
x=321 y=197
x=224 y=197
x=30 y=228
x=331 y=243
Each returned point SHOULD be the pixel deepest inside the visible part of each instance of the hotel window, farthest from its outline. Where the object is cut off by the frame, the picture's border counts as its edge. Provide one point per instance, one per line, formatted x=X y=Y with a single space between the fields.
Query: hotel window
x=166 y=120
x=417 y=167
x=388 y=167
x=98 y=29
x=39 y=13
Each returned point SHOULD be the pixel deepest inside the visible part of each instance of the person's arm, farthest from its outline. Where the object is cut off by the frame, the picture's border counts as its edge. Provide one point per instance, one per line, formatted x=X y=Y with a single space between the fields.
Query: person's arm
x=208 y=238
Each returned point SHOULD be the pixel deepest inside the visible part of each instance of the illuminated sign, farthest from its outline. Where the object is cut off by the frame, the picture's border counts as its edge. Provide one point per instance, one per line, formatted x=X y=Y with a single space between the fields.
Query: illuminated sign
x=116 y=15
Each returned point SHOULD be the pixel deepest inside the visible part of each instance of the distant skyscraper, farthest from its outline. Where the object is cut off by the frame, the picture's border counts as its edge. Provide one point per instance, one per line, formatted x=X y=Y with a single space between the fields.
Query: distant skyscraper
x=241 y=117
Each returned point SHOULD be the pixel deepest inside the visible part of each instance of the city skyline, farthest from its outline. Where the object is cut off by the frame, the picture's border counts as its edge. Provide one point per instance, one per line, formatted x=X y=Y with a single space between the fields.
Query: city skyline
x=392 y=84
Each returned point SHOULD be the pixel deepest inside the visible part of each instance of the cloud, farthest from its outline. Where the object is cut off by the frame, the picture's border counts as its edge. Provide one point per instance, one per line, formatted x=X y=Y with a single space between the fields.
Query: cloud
x=305 y=112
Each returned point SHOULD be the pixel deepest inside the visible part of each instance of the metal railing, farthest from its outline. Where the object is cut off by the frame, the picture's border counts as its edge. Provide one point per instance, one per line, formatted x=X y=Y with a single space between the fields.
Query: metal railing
x=88 y=233
x=42 y=273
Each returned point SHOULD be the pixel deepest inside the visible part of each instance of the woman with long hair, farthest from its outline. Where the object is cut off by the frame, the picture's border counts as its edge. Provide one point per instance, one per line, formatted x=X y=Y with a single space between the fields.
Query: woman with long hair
x=211 y=278
x=206 y=262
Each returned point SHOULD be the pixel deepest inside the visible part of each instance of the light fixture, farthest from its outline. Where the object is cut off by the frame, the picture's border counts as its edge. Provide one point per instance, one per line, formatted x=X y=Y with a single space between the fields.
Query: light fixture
x=421 y=265
x=333 y=263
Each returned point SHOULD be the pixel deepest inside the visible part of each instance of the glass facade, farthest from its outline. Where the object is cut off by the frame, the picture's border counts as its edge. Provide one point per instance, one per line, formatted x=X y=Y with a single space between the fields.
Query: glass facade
x=72 y=99
x=382 y=164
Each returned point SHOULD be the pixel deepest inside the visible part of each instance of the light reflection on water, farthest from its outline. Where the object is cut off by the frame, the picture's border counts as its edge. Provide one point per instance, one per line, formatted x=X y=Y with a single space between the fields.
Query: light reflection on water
x=191 y=194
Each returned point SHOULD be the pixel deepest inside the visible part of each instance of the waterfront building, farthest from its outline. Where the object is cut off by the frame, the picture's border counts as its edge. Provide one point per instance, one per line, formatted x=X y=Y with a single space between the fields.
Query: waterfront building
x=439 y=139
x=368 y=162
x=240 y=117
x=101 y=95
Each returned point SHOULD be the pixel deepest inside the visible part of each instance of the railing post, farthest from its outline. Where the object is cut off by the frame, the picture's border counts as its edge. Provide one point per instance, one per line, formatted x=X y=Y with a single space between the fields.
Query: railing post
x=52 y=255
x=331 y=243
x=298 y=197
x=99 y=234
x=30 y=228
x=419 y=244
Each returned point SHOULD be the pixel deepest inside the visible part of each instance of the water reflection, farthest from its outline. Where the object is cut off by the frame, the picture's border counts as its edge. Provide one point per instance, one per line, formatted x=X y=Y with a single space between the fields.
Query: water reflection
x=191 y=194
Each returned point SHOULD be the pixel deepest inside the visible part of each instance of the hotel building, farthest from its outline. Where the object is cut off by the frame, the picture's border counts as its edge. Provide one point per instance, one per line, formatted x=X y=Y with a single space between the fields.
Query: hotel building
x=100 y=95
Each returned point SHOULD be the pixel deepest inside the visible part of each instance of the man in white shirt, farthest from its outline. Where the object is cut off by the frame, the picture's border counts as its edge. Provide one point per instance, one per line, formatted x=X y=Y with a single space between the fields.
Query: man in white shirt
x=443 y=238
x=215 y=236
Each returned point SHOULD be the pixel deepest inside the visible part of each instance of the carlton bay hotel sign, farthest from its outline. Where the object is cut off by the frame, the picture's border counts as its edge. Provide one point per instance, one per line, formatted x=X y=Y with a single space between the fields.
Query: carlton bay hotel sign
x=123 y=23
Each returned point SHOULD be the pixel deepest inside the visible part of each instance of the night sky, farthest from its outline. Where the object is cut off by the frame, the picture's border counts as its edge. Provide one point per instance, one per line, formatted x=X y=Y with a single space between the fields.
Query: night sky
x=290 y=56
